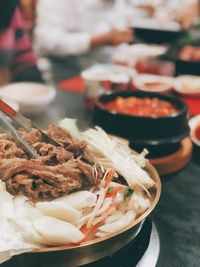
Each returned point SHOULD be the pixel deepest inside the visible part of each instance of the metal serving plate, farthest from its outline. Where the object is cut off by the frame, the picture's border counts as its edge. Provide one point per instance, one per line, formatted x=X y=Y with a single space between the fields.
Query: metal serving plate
x=90 y=251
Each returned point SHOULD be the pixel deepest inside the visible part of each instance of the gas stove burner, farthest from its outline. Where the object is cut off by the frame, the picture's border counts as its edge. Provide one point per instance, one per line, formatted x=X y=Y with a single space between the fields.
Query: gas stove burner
x=143 y=251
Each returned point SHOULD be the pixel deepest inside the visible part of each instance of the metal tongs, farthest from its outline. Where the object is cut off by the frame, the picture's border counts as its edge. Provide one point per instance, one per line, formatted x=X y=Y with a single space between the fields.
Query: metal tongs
x=23 y=122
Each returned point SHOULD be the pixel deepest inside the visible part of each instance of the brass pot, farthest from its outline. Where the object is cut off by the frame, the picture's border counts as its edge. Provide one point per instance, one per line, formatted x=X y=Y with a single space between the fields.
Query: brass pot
x=90 y=251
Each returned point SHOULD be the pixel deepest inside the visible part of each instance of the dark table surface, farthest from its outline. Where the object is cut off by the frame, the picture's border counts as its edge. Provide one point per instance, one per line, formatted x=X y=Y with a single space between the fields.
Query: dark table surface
x=177 y=216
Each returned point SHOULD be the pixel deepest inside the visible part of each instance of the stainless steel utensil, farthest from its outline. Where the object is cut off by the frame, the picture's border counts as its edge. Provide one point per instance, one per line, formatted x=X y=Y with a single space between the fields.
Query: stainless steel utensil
x=26 y=147
x=24 y=122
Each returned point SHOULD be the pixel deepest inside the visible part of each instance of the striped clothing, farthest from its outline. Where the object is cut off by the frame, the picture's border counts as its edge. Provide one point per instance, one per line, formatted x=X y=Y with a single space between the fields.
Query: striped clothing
x=16 y=51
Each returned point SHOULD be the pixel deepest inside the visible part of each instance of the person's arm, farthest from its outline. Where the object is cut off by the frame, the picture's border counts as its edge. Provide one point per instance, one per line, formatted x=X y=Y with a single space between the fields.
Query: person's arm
x=187 y=13
x=53 y=38
x=113 y=37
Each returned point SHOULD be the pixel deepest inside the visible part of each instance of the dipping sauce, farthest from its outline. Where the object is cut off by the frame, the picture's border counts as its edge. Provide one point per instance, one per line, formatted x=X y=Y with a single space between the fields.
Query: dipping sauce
x=142 y=107
x=154 y=84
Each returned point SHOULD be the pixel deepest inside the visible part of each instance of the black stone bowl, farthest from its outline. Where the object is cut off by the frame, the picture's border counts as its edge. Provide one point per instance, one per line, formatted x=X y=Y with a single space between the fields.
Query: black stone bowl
x=157 y=36
x=181 y=66
x=143 y=131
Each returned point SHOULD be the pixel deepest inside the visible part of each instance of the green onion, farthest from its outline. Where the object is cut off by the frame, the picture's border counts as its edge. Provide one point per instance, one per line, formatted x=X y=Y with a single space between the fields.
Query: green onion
x=110 y=190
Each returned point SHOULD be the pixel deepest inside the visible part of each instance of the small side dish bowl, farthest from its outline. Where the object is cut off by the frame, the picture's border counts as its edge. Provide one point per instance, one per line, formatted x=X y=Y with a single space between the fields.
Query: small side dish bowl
x=194 y=124
x=115 y=74
x=154 y=130
x=188 y=85
x=33 y=98
x=157 y=31
x=131 y=54
x=153 y=83
x=101 y=78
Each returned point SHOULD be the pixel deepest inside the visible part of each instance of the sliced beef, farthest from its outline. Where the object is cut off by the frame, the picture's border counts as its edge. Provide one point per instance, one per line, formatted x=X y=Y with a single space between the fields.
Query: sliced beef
x=30 y=137
x=35 y=180
x=57 y=171
x=8 y=166
x=5 y=136
x=63 y=137
x=9 y=149
x=52 y=155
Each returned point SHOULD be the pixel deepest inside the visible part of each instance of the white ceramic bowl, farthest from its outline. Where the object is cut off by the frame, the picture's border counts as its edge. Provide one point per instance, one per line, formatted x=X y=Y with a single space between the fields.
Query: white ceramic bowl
x=153 y=83
x=109 y=72
x=94 y=77
x=130 y=54
x=33 y=98
x=193 y=123
x=188 y=85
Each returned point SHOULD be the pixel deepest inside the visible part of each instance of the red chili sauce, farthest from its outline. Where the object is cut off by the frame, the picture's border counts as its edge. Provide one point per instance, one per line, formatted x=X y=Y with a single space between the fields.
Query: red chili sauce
x=197 y=132
x=142 y=107
x=154 y=84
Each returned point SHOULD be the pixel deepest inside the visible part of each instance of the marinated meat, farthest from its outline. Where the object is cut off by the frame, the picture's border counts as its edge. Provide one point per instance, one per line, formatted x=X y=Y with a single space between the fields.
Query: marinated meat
x=38 y=181
x=60 y=135
x=8 y=165
x=52 y=155
x=30 y=137
x=5 y=136
x=9 y=149
x=87 y=171
x=57 y=171
x=64 y=138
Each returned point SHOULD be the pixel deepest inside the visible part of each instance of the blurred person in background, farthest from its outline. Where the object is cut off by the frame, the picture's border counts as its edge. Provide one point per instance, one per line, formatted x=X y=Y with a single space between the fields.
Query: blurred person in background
x=76 y=34
x=28 y=9
x=187 y=11
x=184 y=12
x=17 y=59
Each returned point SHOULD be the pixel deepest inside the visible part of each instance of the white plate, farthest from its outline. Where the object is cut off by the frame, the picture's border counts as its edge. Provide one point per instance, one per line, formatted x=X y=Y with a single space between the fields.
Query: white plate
x=145 y=50
x=166 y=85
x=130 y=54
x=188 y=85
x=110 y=72
x=193 y=123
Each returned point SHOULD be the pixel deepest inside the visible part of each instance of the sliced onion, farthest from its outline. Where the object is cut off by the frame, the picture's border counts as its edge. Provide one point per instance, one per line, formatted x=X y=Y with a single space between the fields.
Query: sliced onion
x=119 y=224
x=114 y=217
x=57 y=232
x=79 y=200
x=59 y=210
x=138 y=202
